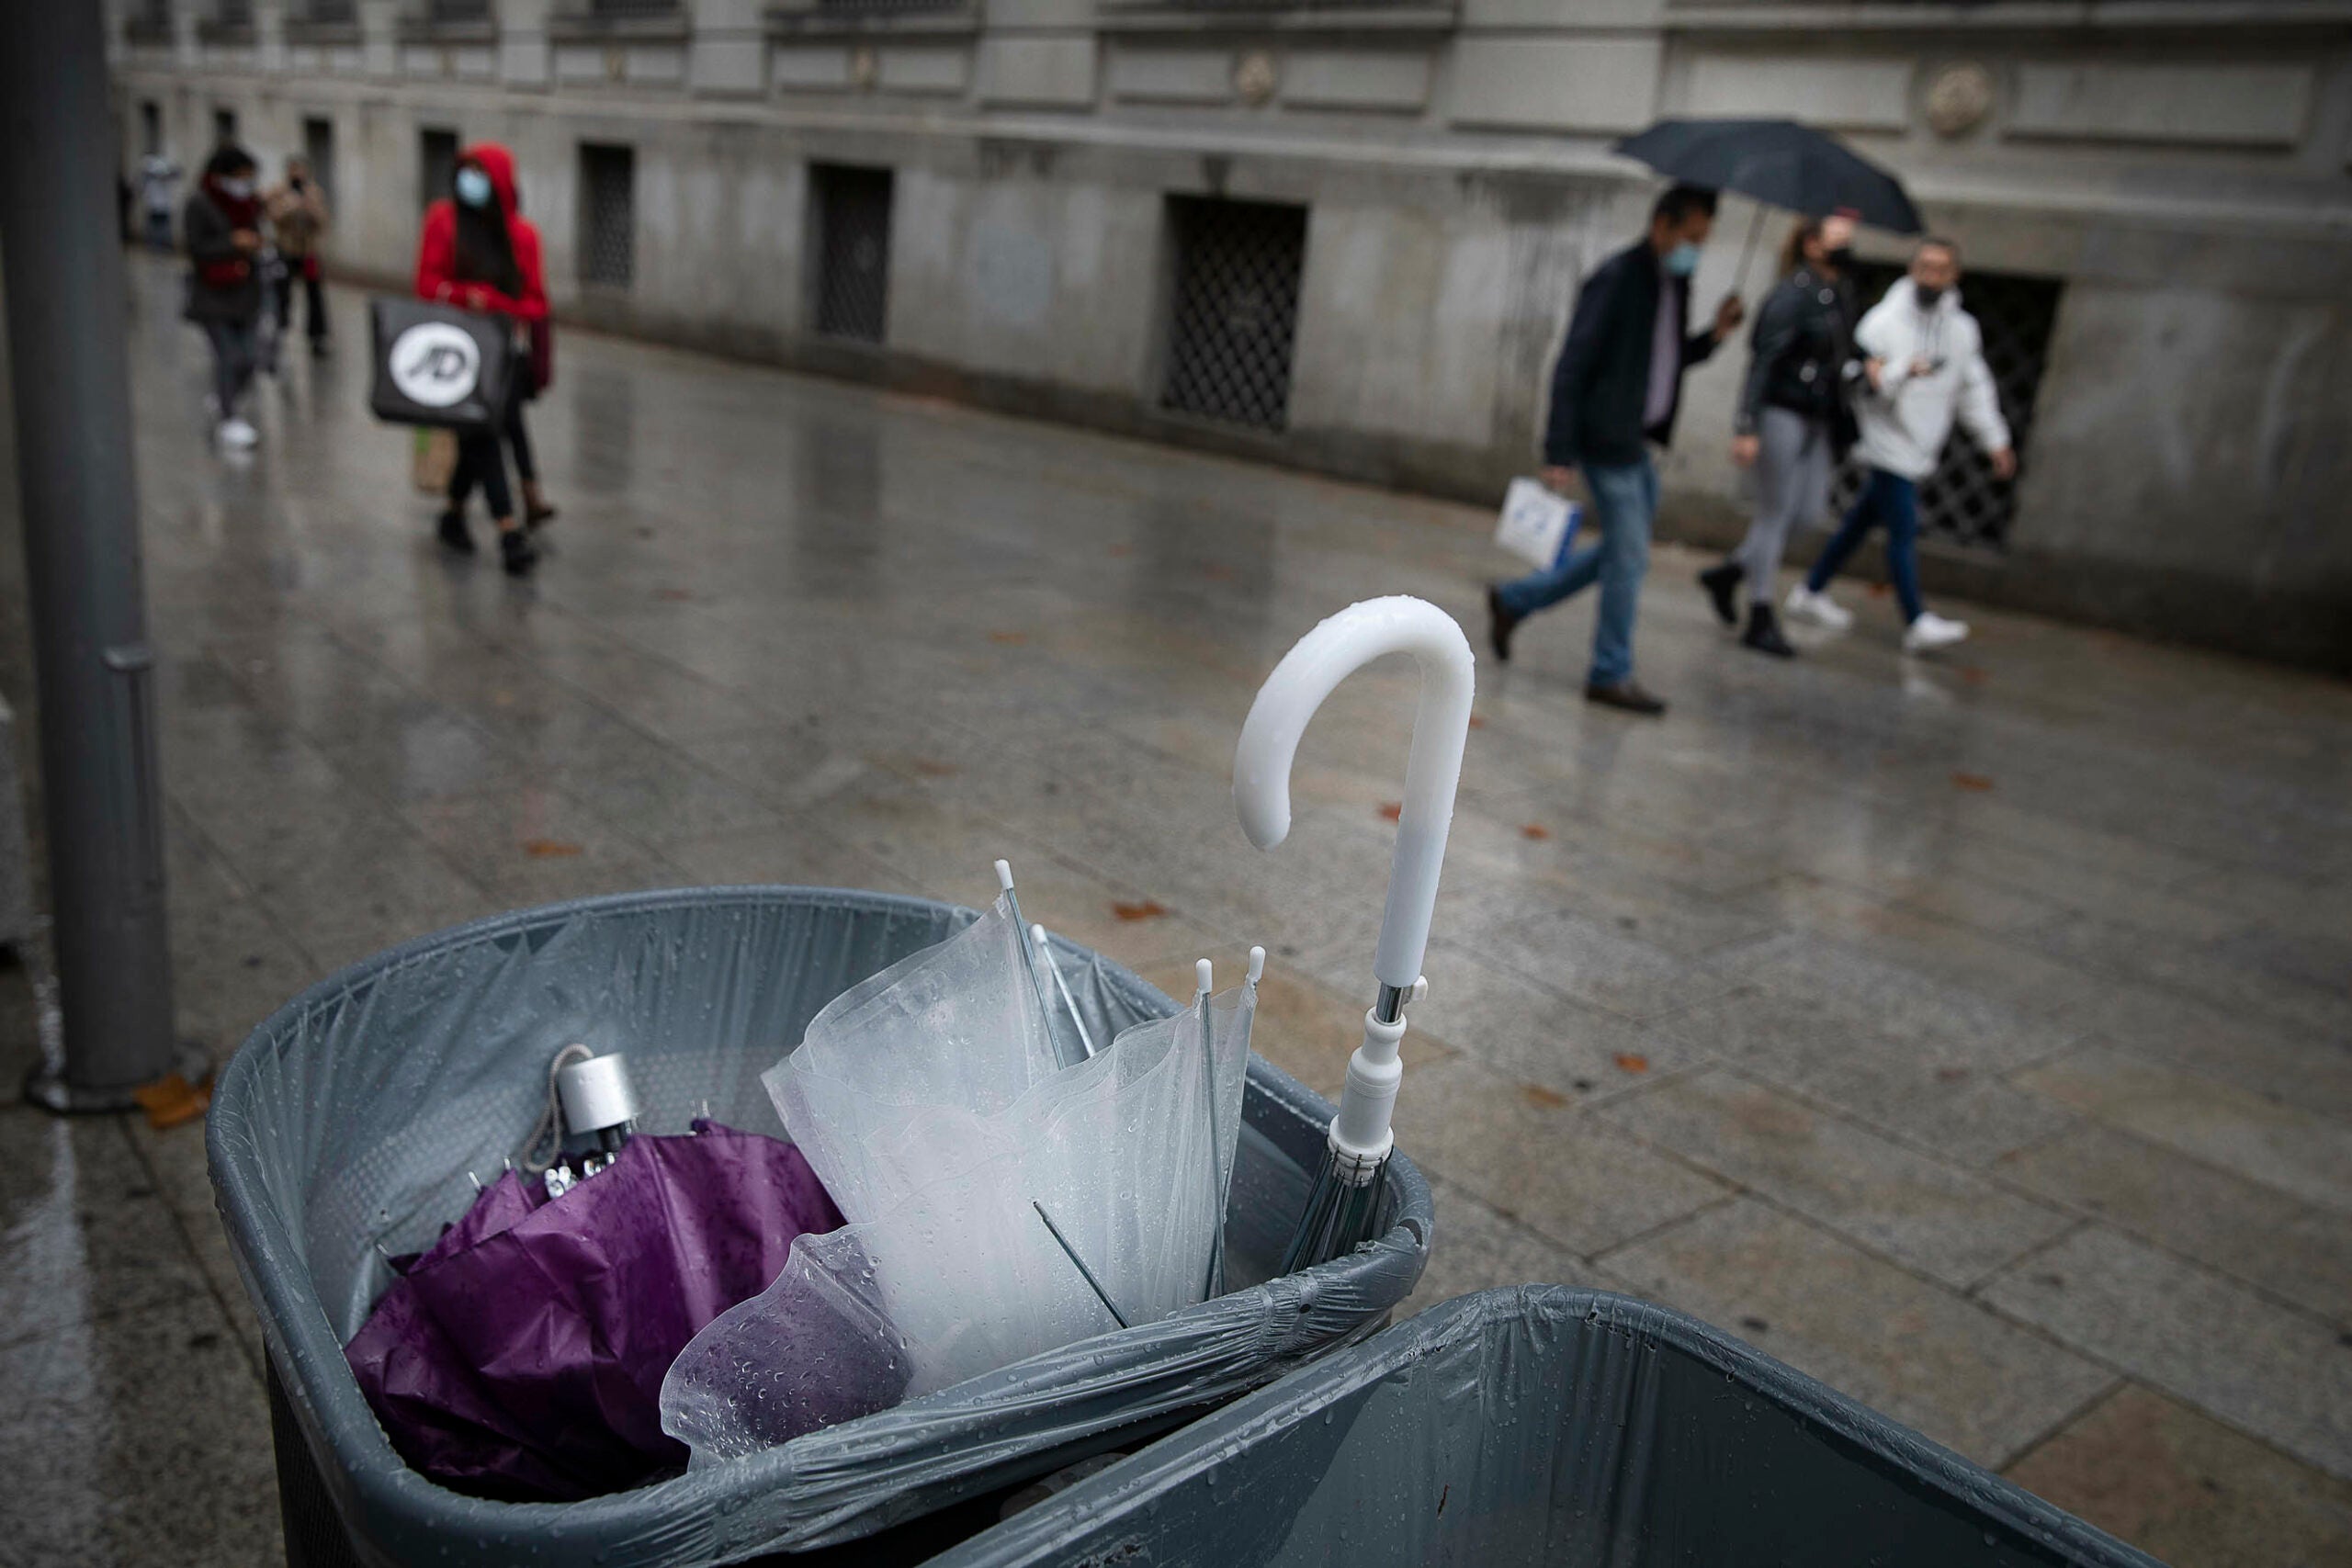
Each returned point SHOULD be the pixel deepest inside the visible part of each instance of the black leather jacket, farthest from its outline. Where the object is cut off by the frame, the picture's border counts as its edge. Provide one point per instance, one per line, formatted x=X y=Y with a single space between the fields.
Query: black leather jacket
x=1801 y=351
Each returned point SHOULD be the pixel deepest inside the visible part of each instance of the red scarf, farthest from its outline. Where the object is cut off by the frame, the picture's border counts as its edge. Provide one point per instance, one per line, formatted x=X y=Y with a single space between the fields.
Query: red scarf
x=243 y=212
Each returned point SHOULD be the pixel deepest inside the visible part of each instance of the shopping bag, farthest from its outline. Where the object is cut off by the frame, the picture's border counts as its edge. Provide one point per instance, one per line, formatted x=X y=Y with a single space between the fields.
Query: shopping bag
x=1537 y=522
x=432 y=460
x=438 y=367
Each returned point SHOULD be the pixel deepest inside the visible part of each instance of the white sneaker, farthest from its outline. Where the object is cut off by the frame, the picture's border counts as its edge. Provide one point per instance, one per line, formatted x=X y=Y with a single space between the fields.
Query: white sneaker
x=238 y=436
x=1931 y=631
x=1820 y=609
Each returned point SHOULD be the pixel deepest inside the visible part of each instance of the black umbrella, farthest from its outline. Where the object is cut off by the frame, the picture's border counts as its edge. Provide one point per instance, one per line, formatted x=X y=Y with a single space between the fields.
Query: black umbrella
x=1779 y=162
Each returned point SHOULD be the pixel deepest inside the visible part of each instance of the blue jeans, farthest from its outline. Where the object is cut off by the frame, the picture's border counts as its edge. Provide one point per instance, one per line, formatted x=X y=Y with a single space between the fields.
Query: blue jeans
x=1624 y=500
x=1895 y=500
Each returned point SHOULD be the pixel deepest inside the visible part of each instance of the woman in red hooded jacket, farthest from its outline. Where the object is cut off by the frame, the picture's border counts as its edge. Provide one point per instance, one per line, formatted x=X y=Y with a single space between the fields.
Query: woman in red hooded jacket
x=478 y=252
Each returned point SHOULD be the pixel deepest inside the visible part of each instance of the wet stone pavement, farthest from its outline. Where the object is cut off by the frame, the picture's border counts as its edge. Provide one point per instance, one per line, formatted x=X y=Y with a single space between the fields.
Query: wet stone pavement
x=1971 y=1034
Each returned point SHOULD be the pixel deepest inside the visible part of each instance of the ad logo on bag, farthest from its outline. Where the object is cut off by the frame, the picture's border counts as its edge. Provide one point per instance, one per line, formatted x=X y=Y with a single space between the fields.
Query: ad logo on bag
x=436 y=364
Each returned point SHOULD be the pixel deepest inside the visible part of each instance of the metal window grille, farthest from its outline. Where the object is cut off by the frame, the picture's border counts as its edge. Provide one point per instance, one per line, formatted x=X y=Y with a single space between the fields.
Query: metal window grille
x=224 y=127
x=1961 y=500
x=852 y=212
x=632 y=7
x=460 y=11
x=318 y=147
x=436 y=164
x=234 y=13
x=607 y=215
x=1236 y=308
x=337 y=12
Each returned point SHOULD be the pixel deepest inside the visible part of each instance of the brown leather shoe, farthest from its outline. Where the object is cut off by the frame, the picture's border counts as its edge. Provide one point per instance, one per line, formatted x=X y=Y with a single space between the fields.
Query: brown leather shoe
x=1626 y=696
x=1500 y=623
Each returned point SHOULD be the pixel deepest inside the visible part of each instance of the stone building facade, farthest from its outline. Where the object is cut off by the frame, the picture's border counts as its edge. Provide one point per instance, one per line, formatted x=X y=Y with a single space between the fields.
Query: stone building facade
x=1347 y=233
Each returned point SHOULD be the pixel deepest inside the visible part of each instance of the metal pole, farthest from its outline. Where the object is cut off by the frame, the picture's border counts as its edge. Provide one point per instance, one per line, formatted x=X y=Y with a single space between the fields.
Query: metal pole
x=62 y=253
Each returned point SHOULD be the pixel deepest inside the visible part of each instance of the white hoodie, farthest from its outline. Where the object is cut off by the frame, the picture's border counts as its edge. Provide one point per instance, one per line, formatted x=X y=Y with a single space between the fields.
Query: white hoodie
x=1905 y=422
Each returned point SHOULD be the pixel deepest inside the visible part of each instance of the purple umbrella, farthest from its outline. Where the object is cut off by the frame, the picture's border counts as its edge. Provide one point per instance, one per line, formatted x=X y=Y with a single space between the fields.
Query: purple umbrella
x=521 y=1356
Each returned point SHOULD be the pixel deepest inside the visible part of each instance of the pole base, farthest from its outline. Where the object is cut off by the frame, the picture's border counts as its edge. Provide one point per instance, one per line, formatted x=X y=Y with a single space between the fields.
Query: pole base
x=46 y=1087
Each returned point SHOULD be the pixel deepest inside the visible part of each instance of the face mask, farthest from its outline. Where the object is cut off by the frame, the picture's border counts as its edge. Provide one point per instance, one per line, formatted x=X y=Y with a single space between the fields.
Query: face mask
x=473 y=187
x=1683 y=260
x=237 y=190
x=1842 y=258
x=1927 y=293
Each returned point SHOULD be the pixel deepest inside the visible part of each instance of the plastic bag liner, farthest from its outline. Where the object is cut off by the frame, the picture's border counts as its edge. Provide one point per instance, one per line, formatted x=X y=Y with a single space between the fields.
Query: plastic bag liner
x=351 y=1117
x=1544 y=1425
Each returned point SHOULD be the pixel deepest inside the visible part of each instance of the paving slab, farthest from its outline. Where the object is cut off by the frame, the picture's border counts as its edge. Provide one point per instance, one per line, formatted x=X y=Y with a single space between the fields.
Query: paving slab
x=1935 y=1217
x=1866 y=1327
x=2185 y=1488
x=2266 y=1369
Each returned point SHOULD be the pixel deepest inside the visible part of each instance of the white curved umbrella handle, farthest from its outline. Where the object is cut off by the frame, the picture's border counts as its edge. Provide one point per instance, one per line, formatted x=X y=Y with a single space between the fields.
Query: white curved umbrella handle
x=1307 y=673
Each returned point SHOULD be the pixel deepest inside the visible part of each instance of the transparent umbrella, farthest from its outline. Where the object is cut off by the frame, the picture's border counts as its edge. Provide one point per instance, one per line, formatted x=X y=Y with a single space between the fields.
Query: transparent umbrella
x=1340 y=1214
x=1001 y=1204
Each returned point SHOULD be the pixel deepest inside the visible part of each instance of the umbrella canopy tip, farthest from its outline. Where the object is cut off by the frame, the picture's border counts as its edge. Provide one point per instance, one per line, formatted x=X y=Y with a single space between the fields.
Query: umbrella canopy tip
x=1004 y=876
x=1256 y=964
x=1204 y=976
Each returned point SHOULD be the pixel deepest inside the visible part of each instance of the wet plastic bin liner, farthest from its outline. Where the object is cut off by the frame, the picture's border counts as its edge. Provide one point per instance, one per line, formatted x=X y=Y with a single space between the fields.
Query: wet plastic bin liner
x=1545 y=1426
x=351 y=1118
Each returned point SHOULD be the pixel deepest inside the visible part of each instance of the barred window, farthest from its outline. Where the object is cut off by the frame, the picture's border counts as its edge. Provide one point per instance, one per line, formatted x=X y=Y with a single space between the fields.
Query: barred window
x=1962 y=500
x=851 y=207
x=607 y=215
x=1235 y=311
x=318 y=146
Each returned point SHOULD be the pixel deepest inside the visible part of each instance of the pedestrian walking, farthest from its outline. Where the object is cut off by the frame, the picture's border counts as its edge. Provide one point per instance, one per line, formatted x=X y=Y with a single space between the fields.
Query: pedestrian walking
x=221 y=225
x=480 y=253
x=1923 y=367
x=1792 y=426
x=1615 y=391
x=157 y=176
x=298 y=221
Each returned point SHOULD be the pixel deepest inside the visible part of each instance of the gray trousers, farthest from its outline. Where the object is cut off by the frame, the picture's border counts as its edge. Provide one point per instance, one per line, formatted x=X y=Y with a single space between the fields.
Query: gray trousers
x=1792 y=486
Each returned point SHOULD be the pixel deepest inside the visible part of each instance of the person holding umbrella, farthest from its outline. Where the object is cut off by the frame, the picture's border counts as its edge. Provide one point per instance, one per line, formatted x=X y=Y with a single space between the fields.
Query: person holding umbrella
x=1925 y=368
x=1792 y=424
x=1614 y=390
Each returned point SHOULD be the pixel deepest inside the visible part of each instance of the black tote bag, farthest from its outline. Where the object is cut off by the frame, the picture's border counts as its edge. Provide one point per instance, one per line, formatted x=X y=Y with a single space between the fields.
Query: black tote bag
x=439 y=366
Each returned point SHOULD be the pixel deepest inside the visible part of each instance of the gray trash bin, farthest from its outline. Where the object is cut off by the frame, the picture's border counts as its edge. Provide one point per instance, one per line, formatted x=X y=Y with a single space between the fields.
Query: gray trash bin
x=1543 y=1425
x=351 y=1118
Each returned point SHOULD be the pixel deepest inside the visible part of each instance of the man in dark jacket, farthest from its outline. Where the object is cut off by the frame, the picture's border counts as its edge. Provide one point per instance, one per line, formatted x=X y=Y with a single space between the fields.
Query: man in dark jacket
x=1615 y=389
x=221 y=227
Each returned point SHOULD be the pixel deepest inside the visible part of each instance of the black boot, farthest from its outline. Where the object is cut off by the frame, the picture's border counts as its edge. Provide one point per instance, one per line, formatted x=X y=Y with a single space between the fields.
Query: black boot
x=1500 y=623
x=454 y=532
x=1721 y=584
x=1763 y=633
x=517 y=553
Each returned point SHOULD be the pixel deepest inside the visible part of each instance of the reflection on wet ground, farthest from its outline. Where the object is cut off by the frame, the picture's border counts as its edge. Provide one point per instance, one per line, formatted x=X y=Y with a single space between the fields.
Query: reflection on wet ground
x=1969 y=1034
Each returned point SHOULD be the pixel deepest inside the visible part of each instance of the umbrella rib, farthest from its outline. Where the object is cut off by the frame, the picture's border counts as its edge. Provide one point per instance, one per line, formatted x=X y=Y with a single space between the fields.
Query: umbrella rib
x=1080 y=1263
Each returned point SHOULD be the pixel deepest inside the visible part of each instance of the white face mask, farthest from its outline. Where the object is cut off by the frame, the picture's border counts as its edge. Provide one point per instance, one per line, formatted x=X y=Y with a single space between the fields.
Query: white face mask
x=237 y=190
x=473 y=187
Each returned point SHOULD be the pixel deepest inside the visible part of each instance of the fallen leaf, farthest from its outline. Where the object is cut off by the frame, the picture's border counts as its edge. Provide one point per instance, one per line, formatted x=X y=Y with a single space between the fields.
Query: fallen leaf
x=1536 y=1094
x=1148 y=909
x=1878 y=591
x=172 y=1099
x=1972 y=674
x=1393 y=810
x=1478 y=721
x=1976 y=782
x=550 y=849
x=931 y=769
x=676 y=595
x=1633 y=1062
x=1535 y=830
x=1011 y=639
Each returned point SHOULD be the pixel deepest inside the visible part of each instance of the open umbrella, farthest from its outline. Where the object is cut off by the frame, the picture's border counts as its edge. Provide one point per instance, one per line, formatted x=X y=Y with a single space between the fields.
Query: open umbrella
x=521 y=1356
x=1779 y=164
x=1341 y=1206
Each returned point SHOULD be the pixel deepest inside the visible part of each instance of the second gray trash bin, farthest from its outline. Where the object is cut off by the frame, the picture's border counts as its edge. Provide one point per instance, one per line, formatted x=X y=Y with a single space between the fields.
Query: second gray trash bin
x=1544 y=1425
x=350 y=1119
